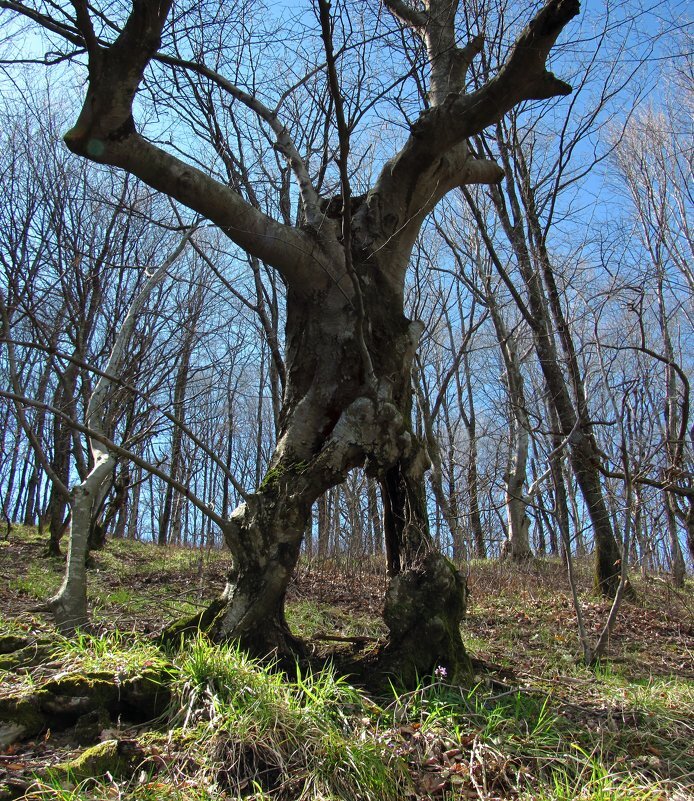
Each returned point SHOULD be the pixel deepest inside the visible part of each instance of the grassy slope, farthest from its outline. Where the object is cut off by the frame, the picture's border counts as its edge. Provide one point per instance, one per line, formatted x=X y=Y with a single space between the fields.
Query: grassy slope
x=538 y=724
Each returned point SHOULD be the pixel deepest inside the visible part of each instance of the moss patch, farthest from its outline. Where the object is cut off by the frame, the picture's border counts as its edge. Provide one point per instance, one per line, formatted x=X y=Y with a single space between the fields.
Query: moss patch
x=180 y=630
x=120 y=758
x=61 y=702
x=19 y=717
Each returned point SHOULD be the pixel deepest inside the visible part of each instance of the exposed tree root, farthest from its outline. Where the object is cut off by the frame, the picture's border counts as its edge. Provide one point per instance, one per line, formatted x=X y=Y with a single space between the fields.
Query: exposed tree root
x=180 y=630
x=88 y=702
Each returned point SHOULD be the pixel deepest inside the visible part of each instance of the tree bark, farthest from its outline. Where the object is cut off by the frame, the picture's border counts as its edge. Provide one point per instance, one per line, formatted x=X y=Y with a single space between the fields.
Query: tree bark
x=517 y=544
x=690 y=531
x=60 y=462
x=678 y=569
x=69 y=604
x=574 y=422
x=179 y=398
x=469 y=418
x=447 y=502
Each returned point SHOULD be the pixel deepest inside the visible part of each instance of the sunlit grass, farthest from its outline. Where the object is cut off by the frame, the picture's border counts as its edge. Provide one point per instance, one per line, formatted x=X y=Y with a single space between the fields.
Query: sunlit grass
x=110 y=652
x=41 y=579
x=543 y=726
x=594 y=780
x=309 y=618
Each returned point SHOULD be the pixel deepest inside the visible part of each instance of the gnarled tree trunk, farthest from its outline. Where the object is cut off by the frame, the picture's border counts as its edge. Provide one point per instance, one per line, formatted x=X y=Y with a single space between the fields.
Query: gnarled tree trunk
x=338 y=415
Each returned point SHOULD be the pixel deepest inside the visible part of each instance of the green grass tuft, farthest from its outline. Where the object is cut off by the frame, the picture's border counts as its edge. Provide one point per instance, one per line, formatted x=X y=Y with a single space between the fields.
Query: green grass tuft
x=538 y=725
x=297 y=740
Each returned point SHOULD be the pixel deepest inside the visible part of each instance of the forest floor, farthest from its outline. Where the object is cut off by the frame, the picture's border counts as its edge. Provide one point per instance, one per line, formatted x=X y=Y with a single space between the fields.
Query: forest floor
x=108 y=715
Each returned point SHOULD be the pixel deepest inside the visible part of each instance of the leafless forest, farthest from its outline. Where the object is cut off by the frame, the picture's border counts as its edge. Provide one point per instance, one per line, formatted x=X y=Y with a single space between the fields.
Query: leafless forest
x=143 y=338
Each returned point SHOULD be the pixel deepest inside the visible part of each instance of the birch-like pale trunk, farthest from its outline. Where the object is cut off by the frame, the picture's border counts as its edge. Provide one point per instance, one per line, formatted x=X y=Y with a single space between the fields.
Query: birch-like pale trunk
x=69 y=604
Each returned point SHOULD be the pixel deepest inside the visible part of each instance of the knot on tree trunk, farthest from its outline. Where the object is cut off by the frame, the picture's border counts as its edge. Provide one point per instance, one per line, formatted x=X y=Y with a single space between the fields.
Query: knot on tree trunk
x=424 y=608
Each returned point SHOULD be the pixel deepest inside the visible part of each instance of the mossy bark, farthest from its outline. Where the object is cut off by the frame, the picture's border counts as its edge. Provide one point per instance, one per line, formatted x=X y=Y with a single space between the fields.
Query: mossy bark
x=426 y=599
x=349 y=345
x=19 y=718
x=176 y=632
x=424 y=607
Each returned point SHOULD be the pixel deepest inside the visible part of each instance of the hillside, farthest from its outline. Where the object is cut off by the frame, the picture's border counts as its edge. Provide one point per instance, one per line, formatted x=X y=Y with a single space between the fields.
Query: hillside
x=110 y=715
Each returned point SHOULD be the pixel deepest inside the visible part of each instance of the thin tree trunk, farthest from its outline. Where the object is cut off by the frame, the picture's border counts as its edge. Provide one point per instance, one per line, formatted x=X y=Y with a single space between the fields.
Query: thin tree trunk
x=69 y=604
x=19 y=493
x=575 y=427
x=690 y=530
x=673 y=438
x=445 y=499
x=323 y=525
x=60 y=463
x=470 y=422
x=134 y=507
x=678 y=569
x=374 y=517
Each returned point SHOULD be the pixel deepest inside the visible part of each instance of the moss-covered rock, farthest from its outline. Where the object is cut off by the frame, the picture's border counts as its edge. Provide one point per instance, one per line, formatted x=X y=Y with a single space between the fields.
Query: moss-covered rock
x=120 y=758
x=147 y=694
x=63 y=701
x=88 y=727
x=100 y=686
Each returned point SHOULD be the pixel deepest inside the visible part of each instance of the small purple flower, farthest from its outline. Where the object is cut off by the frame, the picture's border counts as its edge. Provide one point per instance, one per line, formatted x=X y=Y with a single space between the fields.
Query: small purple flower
x=440 y=673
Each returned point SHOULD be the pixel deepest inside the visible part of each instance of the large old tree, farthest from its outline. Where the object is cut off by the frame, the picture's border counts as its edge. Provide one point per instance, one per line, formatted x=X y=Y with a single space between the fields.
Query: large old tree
x=349 y=345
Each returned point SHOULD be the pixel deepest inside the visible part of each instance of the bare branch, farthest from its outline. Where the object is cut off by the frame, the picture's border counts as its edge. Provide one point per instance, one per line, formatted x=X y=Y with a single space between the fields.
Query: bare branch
x=343 y=138
x=115 y=379
x=68 y=32
x=284 y=143
x=406 y=14
x=28 y=430
x=105 y=132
